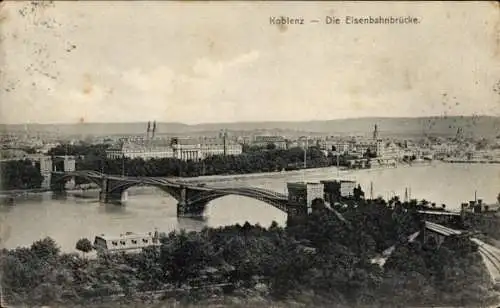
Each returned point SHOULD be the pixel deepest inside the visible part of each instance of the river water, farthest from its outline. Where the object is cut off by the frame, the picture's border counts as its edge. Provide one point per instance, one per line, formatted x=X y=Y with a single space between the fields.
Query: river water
x=68 y=218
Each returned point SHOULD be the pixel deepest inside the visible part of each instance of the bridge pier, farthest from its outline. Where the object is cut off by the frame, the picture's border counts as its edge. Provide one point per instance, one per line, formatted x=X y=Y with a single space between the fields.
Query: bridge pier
x=107 y=196
x=58 y=187
x=188 y=209
x=433 y=237
x=103 y=194
x=111 y=197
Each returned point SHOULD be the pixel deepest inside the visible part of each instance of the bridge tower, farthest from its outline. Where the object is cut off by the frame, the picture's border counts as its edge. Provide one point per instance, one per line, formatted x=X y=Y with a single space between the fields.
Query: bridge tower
x=59 y=164
x=69 y=165
x=301 y=196
x=46 y=168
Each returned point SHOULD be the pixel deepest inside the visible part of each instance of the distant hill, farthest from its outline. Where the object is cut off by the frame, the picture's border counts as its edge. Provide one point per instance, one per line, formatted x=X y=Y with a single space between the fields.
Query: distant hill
x=473 y=126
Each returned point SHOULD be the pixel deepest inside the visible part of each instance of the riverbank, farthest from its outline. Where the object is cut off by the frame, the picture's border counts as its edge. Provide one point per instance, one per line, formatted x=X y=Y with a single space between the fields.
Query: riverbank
x=236 y=177
x=9 y=197
x=281 y=174
x=471 y=161
x=14 y=192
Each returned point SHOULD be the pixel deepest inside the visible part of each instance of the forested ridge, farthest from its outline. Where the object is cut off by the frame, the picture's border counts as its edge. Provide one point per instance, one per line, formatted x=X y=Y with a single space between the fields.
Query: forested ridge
x=316 y=260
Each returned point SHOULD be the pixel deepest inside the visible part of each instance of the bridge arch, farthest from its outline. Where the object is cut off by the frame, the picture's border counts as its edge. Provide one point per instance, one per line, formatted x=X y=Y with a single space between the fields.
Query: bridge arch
x=60 y=179
x=192 y=198
x=123 y=186
x=274 y=199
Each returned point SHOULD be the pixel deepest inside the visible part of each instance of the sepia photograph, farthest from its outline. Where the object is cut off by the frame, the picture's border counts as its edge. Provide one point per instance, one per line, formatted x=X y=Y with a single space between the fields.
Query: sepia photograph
x=249 y=154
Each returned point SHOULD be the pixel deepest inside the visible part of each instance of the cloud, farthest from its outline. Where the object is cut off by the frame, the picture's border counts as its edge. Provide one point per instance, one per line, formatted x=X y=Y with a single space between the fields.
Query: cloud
x=244 y=59
x=159 y=79
x=169 y=93
x=206 y=68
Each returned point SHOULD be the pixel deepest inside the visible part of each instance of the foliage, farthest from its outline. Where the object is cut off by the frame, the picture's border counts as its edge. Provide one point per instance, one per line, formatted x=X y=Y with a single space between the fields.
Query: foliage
x=21 y=174
x=251 y=161
x=84 y=245
x=320 y=261
x=86 y=150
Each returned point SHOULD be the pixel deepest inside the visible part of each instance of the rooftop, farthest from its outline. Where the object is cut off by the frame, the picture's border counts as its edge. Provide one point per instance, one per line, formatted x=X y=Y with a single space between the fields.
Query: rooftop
x=442 y=213
x=441 y=229
x=126 y=236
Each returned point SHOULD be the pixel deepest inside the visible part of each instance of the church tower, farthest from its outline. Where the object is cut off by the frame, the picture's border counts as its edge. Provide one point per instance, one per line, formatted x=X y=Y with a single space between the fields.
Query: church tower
x=375 y=133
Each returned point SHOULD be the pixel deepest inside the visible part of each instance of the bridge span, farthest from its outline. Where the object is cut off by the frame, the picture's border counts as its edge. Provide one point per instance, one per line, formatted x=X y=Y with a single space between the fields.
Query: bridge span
x=192 y=198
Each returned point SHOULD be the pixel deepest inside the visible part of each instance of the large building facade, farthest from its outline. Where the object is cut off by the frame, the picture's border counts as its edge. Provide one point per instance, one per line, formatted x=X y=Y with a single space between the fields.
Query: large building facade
x=180 y=148
x=149 y=147
x=139 y=150
x=197 y=149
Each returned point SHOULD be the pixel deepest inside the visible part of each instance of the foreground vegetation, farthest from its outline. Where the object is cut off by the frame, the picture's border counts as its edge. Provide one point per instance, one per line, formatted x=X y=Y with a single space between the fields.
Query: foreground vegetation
x=316 y=260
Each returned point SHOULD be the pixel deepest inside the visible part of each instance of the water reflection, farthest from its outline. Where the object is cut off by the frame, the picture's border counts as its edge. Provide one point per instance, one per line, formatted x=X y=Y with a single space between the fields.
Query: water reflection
x=112 y=209
x=191 y=224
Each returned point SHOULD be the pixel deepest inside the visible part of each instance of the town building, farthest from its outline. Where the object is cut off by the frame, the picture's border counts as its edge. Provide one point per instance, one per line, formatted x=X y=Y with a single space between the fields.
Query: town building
x=219 y=146
x=279 y=142
x=47 y=147
x=197 y=149
x=336 y=191
x=145 y=151
x=389 y=150
x=181 y=148
x=343 y=147
x=128 y=242
x=145 y=147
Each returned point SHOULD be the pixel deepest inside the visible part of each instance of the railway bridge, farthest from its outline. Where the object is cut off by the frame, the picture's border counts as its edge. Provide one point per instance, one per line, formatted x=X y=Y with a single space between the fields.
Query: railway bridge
x=192 y=198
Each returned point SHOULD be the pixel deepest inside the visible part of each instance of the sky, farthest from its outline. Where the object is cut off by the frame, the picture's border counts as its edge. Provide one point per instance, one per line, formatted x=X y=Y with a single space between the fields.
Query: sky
x=73 y=62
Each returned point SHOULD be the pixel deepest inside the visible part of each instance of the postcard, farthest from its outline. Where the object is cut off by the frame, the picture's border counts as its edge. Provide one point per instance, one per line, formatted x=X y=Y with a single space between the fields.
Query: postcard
x=249 y=154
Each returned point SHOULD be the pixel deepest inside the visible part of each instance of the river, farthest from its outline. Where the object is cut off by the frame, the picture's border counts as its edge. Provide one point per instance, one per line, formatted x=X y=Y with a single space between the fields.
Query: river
x=66 y=219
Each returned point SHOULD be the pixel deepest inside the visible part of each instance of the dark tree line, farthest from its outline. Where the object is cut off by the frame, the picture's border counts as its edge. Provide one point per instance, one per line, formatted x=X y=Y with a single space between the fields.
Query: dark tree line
x=20 y=174
x=98 y=150
x=249 y=162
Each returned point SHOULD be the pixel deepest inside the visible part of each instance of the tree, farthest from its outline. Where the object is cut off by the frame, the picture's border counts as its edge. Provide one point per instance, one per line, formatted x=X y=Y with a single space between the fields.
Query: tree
x=20 y=175
x=369 y=154
x=84 y=245
x=45 y=249
x=358 y=193
x=271 y=146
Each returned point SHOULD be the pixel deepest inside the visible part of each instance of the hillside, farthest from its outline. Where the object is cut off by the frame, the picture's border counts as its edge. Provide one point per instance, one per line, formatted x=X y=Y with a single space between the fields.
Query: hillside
x=473 y=126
